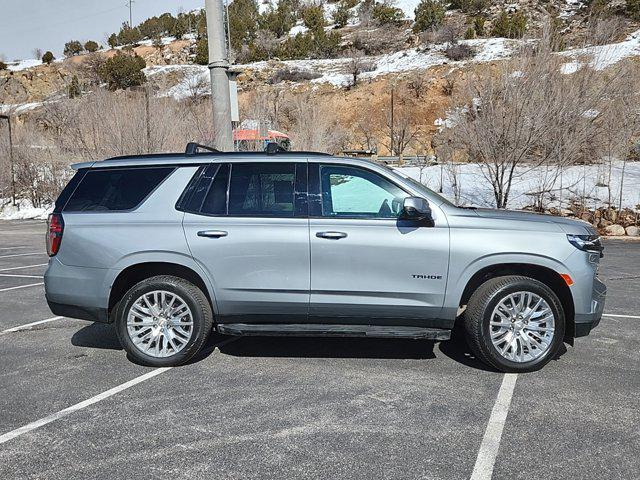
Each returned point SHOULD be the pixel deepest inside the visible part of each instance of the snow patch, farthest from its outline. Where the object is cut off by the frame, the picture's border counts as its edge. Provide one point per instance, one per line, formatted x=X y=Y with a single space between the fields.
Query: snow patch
x=23 y=210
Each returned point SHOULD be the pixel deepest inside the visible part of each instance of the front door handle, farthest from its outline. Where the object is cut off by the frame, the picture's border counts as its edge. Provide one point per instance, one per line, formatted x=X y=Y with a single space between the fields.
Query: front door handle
x=331 y=235
x=212 y=233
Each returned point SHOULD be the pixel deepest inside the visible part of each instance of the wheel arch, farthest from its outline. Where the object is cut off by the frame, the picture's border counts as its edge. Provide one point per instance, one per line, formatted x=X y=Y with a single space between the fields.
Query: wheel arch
x=137 y=272
x=543 y=274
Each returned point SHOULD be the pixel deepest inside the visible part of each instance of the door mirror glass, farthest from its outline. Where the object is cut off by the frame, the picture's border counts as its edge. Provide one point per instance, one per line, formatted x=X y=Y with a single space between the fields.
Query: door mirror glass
x=417 y=209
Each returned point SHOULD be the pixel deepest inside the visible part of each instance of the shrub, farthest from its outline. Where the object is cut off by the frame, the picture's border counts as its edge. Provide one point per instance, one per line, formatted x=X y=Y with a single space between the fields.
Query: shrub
x=387 y=14
x=633 y=9
x=91 y=46
x=48 y=57
x=470 y=33
x=298 y=46
x=478 y=26
x=74 y=90
x=72 y=48
x=123 y=71
x=3 y=66
x=429 y=14
x=292 y=75
x=458 y=51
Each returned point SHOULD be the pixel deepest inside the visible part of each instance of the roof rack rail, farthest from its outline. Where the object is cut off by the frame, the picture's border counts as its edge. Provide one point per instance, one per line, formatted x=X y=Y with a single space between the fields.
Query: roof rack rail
x=193 y=147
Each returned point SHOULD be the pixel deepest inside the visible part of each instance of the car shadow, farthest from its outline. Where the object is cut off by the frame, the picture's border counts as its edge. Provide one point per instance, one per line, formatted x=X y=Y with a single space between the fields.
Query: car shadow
x=103 y=336
x=97 y=335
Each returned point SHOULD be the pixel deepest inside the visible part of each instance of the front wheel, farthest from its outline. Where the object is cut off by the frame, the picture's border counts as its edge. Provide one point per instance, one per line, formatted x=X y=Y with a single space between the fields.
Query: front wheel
x=163 y=321
x=514 y=323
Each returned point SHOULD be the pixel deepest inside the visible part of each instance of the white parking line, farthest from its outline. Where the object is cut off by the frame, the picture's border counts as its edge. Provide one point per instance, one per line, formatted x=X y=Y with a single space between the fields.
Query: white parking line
x=620 y=316
x=11 y=248
x=15 y=275
x=483 y=469
x=27 y=326
x=22 y=254
x=21 y=286
x=101 y=396
x=79 y=406
x=25 y=266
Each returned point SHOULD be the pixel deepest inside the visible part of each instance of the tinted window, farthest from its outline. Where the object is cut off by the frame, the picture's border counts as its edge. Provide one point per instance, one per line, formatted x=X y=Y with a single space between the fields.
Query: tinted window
x=200 y=187
x=114 y=190
x=215 y=203
x=355 y=192
x=263 y=189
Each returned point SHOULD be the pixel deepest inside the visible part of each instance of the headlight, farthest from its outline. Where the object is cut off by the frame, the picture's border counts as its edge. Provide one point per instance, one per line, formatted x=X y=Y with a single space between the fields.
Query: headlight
x=586 y=243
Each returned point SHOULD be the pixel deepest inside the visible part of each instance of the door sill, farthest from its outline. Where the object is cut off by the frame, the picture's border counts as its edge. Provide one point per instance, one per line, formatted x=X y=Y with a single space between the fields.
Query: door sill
x=331 y=330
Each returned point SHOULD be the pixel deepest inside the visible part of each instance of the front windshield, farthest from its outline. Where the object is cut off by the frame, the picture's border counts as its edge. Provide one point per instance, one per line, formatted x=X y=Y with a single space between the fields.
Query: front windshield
x=419 y=186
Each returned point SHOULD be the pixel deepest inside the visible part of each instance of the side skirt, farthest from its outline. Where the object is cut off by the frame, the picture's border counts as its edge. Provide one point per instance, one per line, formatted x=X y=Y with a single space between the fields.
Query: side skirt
x=333 y=330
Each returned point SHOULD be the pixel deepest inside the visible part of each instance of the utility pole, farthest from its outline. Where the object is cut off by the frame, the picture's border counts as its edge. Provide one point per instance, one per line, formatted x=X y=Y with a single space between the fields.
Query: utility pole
x=218 y=66
x=11 y=160
x=130 y=5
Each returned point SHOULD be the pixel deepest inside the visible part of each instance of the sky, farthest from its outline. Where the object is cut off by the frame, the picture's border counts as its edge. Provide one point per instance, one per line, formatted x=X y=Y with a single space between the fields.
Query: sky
x=48 y=24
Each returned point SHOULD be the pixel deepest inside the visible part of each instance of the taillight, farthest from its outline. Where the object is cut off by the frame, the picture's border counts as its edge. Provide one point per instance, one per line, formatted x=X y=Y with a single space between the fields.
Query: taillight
x=54 y=233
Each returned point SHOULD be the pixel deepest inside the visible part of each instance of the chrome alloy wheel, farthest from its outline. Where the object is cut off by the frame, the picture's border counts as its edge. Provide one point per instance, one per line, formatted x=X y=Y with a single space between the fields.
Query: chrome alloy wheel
x=160 y=323
x=522 y=326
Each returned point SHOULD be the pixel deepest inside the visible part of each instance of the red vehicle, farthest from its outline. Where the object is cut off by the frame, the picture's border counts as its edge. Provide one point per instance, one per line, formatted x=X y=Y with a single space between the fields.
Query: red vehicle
x=253 y=140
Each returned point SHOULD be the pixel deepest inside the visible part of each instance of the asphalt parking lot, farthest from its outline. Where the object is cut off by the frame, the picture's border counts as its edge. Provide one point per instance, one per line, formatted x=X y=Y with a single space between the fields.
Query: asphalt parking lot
x=257 y=408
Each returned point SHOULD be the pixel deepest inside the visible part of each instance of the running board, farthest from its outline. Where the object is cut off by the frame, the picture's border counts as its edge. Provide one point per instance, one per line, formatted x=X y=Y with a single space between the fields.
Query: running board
x=331 y=330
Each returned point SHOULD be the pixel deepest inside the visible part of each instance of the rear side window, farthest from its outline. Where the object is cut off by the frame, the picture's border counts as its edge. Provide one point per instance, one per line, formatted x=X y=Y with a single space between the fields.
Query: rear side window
x=115 y=190
x=262 y=189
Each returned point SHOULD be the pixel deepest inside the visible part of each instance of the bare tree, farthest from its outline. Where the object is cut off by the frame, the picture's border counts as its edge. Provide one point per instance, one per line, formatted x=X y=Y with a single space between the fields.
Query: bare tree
x=516 y=123
x=357 y=64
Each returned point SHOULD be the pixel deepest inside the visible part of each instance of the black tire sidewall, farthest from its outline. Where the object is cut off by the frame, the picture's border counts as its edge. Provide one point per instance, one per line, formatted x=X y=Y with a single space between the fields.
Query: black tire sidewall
x=188 y=293
x=485 y=336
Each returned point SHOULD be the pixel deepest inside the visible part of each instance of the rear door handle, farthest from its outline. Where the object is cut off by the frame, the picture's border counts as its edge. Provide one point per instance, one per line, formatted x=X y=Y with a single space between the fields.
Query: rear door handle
x=331 y=235
x=212 y=233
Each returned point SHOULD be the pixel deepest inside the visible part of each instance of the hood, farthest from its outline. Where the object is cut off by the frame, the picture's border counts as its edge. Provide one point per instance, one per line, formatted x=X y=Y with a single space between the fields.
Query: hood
x=567 y=225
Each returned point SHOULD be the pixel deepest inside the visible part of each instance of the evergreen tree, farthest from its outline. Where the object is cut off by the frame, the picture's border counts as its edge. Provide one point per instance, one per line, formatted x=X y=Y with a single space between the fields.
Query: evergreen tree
x=202 y=51
x=74 y=88
x=429 y=14
x=243 y=22
x=509 y=26
x=72 y=48
x=123 y=71
x=3 y=66
x=91 y=46
x=387 y=14
x=113 y=40
x=633 y=9
x=48 y=57
x=342 y=14
x=128 y=35
x=279 y=20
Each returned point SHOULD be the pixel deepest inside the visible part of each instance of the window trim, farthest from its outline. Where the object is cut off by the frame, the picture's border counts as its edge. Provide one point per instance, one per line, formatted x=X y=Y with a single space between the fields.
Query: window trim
x=300 y=202
x=172 y=169
x=315 y=192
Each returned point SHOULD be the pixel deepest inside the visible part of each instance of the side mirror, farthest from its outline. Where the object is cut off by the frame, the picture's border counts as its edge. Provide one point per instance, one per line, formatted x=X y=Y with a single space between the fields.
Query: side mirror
x=417 y=209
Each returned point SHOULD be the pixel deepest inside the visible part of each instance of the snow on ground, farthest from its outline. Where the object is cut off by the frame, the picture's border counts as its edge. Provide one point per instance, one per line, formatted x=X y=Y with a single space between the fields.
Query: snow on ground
x=588 y=179
x=18 y=108
x=23 y=64
x=22 y=211
x=603 y=56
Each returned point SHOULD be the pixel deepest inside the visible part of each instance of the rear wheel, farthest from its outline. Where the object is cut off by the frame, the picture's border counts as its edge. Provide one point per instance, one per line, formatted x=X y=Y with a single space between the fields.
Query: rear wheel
x=163 y=321
x=514 y=323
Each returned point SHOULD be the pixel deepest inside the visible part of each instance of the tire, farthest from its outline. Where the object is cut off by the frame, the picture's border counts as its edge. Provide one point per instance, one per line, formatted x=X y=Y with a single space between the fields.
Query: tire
x=529 y=340
x=169 y=318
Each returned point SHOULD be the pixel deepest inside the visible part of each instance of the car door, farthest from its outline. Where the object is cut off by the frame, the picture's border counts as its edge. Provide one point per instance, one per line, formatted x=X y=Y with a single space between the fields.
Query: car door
x=367 y=266
x=247 y=226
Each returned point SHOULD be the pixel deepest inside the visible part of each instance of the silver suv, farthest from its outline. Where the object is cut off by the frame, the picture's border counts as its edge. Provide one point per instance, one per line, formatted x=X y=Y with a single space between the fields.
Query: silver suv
x=169 y=247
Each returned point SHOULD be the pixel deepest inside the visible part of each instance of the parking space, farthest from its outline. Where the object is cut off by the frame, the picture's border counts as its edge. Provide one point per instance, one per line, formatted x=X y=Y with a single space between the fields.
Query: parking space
x=309 y=408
